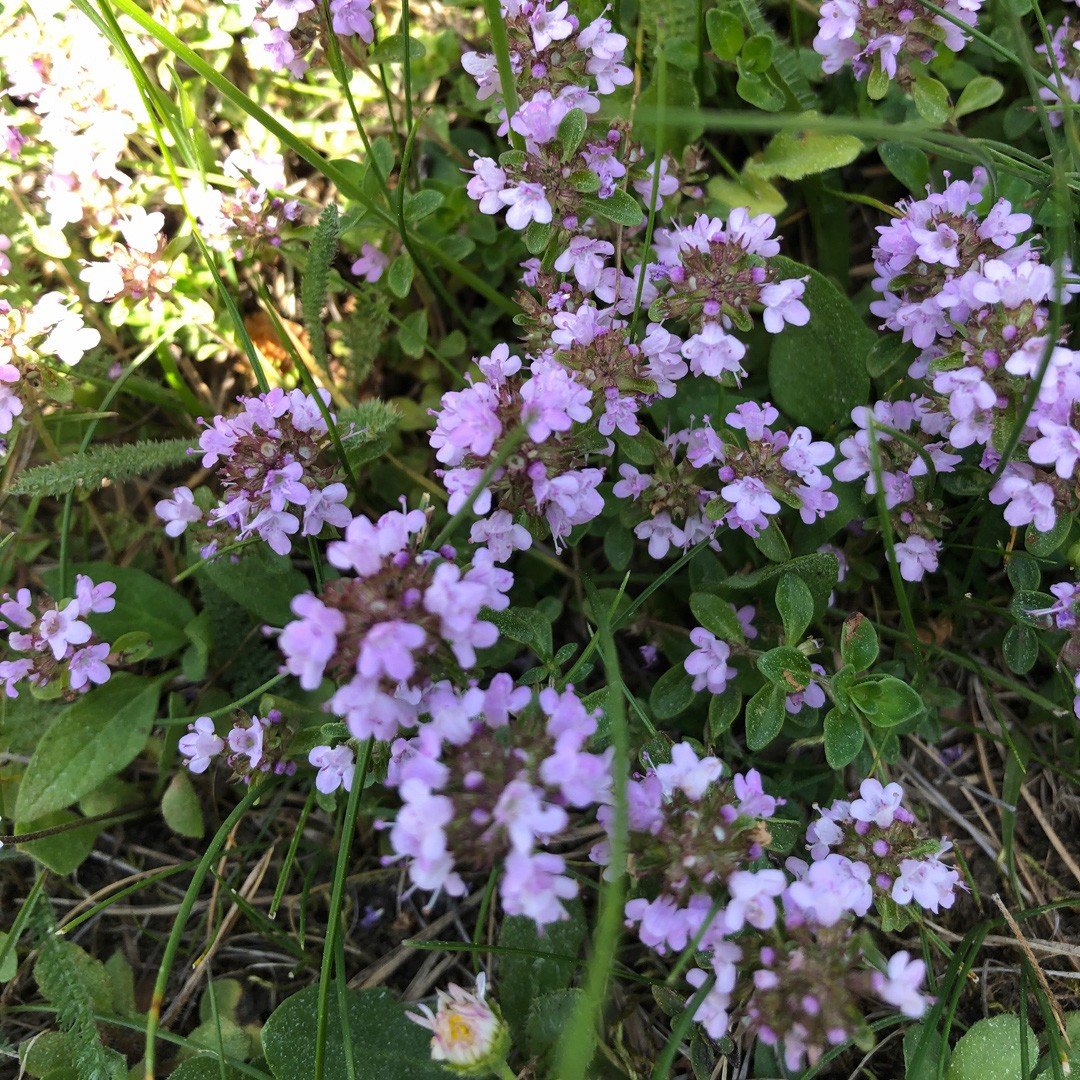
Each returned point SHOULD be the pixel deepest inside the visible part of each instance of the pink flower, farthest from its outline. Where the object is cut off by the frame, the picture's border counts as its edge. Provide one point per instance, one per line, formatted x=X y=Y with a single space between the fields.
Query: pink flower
x=200 y=744
x=372 y=262
x=60 y=628
x=917 y=556
x=87 y=666
x=708 y=662
x=534 y=885
x=900 y=984
x=336 y=766
x=310 y=641
x=714 y=352
x=178 y=512
x=525 y=203
x=687 y=772
x=877 y=805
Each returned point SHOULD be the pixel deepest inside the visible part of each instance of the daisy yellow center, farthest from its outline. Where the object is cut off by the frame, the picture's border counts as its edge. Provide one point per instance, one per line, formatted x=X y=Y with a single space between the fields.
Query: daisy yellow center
x=459 y=1030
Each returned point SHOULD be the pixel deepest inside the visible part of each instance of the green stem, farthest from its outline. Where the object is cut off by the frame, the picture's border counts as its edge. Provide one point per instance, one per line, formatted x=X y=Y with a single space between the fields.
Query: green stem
x=348 y=829
x=172 y=946
x=501 y=48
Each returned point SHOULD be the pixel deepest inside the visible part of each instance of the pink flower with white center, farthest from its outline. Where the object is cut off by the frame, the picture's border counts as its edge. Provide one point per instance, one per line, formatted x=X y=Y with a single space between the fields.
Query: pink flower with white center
x=275 y=527
x=61 y=627
x=535 y=885
x=326 y=507
x=751 y=501
x=937 y=244
x=468 y=1034
x=929 y=882
x=620 y=412
x=538 y=118
x=178 y=512
x=687 y=772
x=585 y=258
x=708 y=663
x=487 y=185
x=783 y=304
x=248 y=741
x=371 y=264
x=662 y=534
x=553 y=401
x=550 y=26
x=917 y=556
x=877 y=805
x=1058 y=445
x=804 y=456
x=829 y=889
x=87 y=666
x=900 y=985
x=501 y=535
x=388 y=649
x=714 y=352
x=93 y=598
x=753 y=899
x=667 y=185
x=526 y=203
x=200 y=745
x=633 y=483
x=310 y=640
x=353 y=17
x=336 y=766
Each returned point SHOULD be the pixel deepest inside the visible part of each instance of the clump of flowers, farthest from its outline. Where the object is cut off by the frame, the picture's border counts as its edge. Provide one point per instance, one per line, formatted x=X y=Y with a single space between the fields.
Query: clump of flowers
x=134 y=269
x=31 y=336
x=398 y=614
x=1063 y=68
x=468 y=1035
x=56 y=645
x=273 y=466
x=543 y=476
x=782 y=948
x=256 y=745
x=741 y=477
x=479 y=788
x=286 y=33
x=880 y=38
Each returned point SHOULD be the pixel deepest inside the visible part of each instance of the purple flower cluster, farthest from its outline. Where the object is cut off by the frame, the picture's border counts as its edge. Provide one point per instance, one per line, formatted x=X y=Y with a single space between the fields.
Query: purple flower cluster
x=1063 y=68
x=741 y=477
x=545 y=476
x=256 y=745
x=479 y=788
x=401 y=614
x=882 y=36
x=960 y=286
x=31 y=336
x=285 y=33
x=59 y=644
x=134 y=269
x=782 y=947
x=273 y=470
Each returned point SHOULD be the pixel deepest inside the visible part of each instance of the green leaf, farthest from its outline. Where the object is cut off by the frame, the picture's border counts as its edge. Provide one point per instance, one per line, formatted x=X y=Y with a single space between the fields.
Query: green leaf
x=817 y=372
x=548 y=1018
x=991 y=1050
x=756 y=55
x=142 y=603
x=673 y=693
x=980 y=93
x=204 y=1067
x=366 y=429
x=316 y=280
x=915 y=1038
x=765 y=714
x=877 y=85
x=723 y=708
x=786 y=668
x=749 y=190
x=63 y=852
x=524 y=979
x=1044 y=544
x=909 y=165
x=796 y=154
x=1020 y=649
x=11 y=962
x=386 y=1045
x=423 y=203
x=843 y=737
x=391 y=50
x=100 y=463
x=261 y=582
x=859 y=643
x=717 y=616
x=772 y=545
x=886 y=701
x=619 y=207
x=525 y=626
x=537 y=237
x=181 y=809
x=1023 y=571
x=889 y=351
x=91 y=740
x=796 y=606
x=1025 y=602
x=819 y=570
x=400 y=275
x=412 y=335
x=931 y=99
x=757 y=90
x=726 y=35
x=570 y=132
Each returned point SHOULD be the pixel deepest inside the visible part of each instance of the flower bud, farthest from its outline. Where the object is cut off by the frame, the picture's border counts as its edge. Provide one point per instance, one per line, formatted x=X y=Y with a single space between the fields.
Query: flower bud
x=469 y=1036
